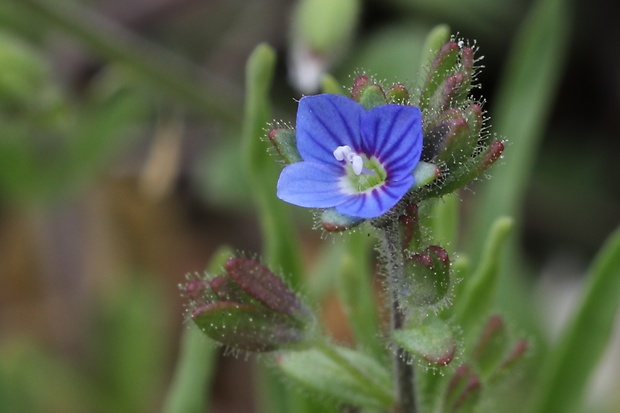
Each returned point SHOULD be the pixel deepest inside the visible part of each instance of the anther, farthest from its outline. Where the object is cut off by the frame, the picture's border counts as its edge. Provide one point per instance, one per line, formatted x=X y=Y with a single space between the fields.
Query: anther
x=345 y=152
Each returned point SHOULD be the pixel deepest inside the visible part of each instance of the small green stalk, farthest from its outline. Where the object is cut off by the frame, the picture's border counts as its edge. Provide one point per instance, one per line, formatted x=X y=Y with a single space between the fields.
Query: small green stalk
x=392 y=251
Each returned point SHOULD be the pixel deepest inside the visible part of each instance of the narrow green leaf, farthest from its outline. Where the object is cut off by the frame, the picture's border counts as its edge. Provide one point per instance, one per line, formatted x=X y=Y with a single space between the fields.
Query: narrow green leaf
x=530 y=81
x=566 y=370
x=196 y=363
x=436 y=37
x=280 y=243
x=280 y=246
x=474 y=298
x=445 y=221
x=194 y=371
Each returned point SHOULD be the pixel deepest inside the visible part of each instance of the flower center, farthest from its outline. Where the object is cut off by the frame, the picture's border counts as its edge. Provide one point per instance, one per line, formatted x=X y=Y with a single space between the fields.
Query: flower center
x=362 y=173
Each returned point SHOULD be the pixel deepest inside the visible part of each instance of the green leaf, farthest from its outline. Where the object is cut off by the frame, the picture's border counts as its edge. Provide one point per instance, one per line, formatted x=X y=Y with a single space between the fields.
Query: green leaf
x=432 y=340
x=565 y=372
x=521 y=108
x=194 y=372
x=280 y=243
x=341 y=374
x=435 y=38
x=281 y=248
x=195 y=366
x=476 y=295
x=445 y=222
x=130 y=343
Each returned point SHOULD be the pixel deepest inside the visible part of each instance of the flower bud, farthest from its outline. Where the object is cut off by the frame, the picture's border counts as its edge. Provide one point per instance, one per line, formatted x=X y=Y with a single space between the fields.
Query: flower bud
x=360 y=84
x=285 y=144
x=459 y=143
x=444 y=63
x=398 y=94
x=492 y=154
x=428 y=279
x=246 y=327
x=450 y=79
x=372 y=96
x=249 y=308
x=258 y=282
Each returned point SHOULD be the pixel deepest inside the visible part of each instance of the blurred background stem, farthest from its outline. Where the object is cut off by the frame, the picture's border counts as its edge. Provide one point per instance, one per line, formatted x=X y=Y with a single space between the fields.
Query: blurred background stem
x=179 y=78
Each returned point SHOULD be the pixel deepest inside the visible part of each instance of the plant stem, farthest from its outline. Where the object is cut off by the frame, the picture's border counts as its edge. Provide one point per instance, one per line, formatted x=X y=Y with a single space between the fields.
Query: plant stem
x=392 y=251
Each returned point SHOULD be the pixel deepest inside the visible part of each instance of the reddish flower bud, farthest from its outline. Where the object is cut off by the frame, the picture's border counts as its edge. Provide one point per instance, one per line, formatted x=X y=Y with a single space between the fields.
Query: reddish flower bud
x=493 y=153
x=359 y=85
x=260 y=283
x=249 y=308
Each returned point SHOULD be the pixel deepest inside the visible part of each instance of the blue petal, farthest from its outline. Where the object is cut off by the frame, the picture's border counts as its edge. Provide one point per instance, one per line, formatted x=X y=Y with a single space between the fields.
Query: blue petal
x=311 y=185
x=376 y=202
x=325 y=122
x=393 y=134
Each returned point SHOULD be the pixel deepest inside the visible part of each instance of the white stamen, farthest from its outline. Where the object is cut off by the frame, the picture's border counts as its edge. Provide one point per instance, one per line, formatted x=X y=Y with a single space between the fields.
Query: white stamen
x=342 y=152
x=345 y=153
x=358 y=164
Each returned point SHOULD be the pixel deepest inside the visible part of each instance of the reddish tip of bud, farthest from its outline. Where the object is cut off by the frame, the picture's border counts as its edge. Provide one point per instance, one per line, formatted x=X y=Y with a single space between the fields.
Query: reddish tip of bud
x=260 y=283
x=493 y=154
x=467 y=60
x=440 y=253
x=493 y=327
x=443 y=359
x=272 y=133
x=408 y=219
x=447 y=49
x=359 y=85
x=423 y=259
x=226 y=290
x=332 y=227
x=194 y=289
x=516 y=353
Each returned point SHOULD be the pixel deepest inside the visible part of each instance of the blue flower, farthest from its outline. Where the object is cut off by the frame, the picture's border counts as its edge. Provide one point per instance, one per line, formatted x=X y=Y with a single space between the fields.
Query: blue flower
x=357 y=161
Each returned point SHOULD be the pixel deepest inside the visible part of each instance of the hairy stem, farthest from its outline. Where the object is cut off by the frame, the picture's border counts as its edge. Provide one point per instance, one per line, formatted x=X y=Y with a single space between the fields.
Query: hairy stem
x=392 y=251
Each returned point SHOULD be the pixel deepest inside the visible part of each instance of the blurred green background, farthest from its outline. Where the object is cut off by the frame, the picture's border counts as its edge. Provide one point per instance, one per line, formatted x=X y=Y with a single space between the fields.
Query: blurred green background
x=121 y=169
